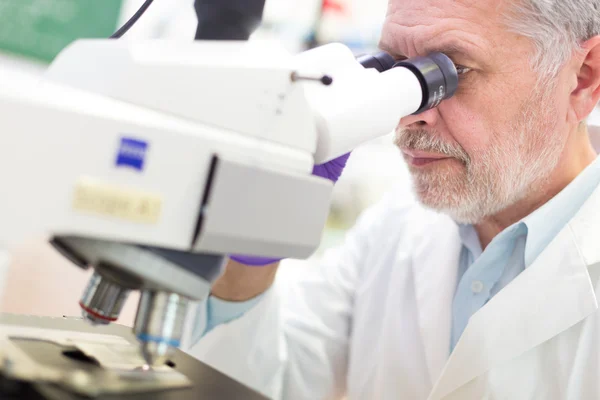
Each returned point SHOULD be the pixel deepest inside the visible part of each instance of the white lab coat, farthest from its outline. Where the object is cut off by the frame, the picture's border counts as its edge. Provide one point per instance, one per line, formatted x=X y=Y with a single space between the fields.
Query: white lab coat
x=373 y=321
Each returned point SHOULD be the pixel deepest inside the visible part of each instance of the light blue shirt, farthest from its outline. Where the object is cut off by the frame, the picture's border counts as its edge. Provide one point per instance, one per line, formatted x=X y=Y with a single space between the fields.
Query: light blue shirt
x=220 y=312
x=482 y=274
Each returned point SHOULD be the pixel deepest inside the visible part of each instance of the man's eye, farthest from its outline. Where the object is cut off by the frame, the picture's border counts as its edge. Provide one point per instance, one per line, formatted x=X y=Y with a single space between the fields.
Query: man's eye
x=461 y=70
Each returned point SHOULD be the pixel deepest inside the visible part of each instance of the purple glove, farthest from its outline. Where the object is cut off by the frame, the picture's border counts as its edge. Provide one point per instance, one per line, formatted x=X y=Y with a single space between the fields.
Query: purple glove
x=331 y=170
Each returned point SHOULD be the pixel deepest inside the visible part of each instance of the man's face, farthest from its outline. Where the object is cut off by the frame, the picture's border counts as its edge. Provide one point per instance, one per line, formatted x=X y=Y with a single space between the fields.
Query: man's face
x=501 y=135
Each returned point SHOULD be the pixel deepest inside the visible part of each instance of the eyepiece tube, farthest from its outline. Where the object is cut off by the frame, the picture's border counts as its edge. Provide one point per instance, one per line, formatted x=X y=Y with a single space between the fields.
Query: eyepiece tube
x=370 y=94
x=437 y=75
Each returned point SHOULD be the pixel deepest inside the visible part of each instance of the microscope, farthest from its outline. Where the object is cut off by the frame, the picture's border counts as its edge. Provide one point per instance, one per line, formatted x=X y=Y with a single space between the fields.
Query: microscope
x=151 y=161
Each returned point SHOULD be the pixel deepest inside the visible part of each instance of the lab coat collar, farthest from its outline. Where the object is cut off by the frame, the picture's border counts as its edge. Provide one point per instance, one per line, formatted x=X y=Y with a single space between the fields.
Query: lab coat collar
x=585 y=227
x=545 y=222
x=435 y=270
x=549 y=297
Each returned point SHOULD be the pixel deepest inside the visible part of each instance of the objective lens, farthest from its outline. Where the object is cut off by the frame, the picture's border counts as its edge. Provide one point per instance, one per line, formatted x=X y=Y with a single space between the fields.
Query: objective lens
x=102 y=300
x=159 y=324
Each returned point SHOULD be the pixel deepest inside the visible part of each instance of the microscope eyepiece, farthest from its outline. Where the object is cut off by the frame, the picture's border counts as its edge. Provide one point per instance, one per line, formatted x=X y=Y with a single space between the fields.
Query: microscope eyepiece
x=437 y=75
x=102 y=300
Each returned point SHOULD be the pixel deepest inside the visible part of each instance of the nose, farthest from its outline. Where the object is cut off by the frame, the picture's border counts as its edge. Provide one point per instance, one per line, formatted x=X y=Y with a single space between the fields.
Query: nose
x=427 y=117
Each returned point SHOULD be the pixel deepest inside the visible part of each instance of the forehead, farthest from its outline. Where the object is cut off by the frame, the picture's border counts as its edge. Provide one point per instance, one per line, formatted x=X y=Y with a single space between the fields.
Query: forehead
x=418 y=27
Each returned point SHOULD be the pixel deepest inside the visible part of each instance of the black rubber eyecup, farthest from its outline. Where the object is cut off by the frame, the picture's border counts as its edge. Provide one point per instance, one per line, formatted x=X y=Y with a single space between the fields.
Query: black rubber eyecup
x=381 y=61
x=437 y=76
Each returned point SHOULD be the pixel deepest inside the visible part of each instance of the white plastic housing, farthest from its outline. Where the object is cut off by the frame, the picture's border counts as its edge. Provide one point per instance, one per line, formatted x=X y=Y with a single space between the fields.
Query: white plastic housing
x=360 y=105
x=191 y=103
x=57 y=139
x=243 y=87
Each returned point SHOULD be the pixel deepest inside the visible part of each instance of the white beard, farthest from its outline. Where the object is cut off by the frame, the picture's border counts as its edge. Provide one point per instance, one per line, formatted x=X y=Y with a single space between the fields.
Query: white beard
x=517 y=162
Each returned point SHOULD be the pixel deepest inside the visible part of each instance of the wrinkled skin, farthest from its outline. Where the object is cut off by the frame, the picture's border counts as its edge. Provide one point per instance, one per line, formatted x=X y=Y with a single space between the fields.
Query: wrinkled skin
x=510 y=144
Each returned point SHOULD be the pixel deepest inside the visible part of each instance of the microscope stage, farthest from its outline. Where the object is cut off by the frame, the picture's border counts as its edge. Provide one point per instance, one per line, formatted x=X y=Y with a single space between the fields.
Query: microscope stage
x=67 y=359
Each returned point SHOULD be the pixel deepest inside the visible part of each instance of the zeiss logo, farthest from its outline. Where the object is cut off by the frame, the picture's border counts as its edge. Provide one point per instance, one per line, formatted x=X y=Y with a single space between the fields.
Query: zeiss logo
x=132 y=153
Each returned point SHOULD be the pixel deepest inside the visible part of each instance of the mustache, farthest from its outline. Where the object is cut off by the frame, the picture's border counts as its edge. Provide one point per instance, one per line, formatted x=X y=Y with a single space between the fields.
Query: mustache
x=429 y=141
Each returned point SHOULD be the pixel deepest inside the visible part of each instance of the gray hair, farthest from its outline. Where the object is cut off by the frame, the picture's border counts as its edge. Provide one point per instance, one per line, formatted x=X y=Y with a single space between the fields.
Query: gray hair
x=557 y=29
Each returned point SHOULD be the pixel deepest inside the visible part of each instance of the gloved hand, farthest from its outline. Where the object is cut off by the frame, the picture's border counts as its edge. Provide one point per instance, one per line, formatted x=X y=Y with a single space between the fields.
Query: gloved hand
x=331 y=170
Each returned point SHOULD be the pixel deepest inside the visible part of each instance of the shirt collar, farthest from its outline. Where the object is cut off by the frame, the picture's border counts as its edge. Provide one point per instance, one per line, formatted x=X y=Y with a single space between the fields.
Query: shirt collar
x=503 y=241
x=469 y=239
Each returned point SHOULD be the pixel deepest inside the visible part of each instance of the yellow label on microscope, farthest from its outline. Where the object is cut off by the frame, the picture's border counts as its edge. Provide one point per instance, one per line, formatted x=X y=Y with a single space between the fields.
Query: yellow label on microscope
x=99 y=198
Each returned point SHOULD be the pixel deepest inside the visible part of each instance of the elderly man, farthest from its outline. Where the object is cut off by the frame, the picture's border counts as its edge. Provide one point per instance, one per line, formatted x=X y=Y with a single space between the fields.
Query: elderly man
x=485 y=285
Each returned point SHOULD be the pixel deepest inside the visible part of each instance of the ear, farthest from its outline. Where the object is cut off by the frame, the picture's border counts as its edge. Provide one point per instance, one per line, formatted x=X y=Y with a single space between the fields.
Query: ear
x=587 y=93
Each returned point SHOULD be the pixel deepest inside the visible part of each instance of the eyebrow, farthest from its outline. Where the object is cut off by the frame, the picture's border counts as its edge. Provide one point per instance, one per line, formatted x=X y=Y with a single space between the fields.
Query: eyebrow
x=453 y=50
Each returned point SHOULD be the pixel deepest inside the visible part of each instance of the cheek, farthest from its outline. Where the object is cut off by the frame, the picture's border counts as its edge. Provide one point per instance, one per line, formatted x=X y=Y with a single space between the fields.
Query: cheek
x=482 y=117
x=469 y=127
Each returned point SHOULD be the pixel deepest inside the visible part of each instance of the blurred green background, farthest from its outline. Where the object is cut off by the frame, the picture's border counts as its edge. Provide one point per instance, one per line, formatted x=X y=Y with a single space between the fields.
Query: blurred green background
x=40 y=29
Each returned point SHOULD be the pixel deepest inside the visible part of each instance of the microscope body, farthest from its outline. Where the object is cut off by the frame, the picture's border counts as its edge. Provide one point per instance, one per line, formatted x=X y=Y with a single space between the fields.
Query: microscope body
x=151 y=161
x=150 y=171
